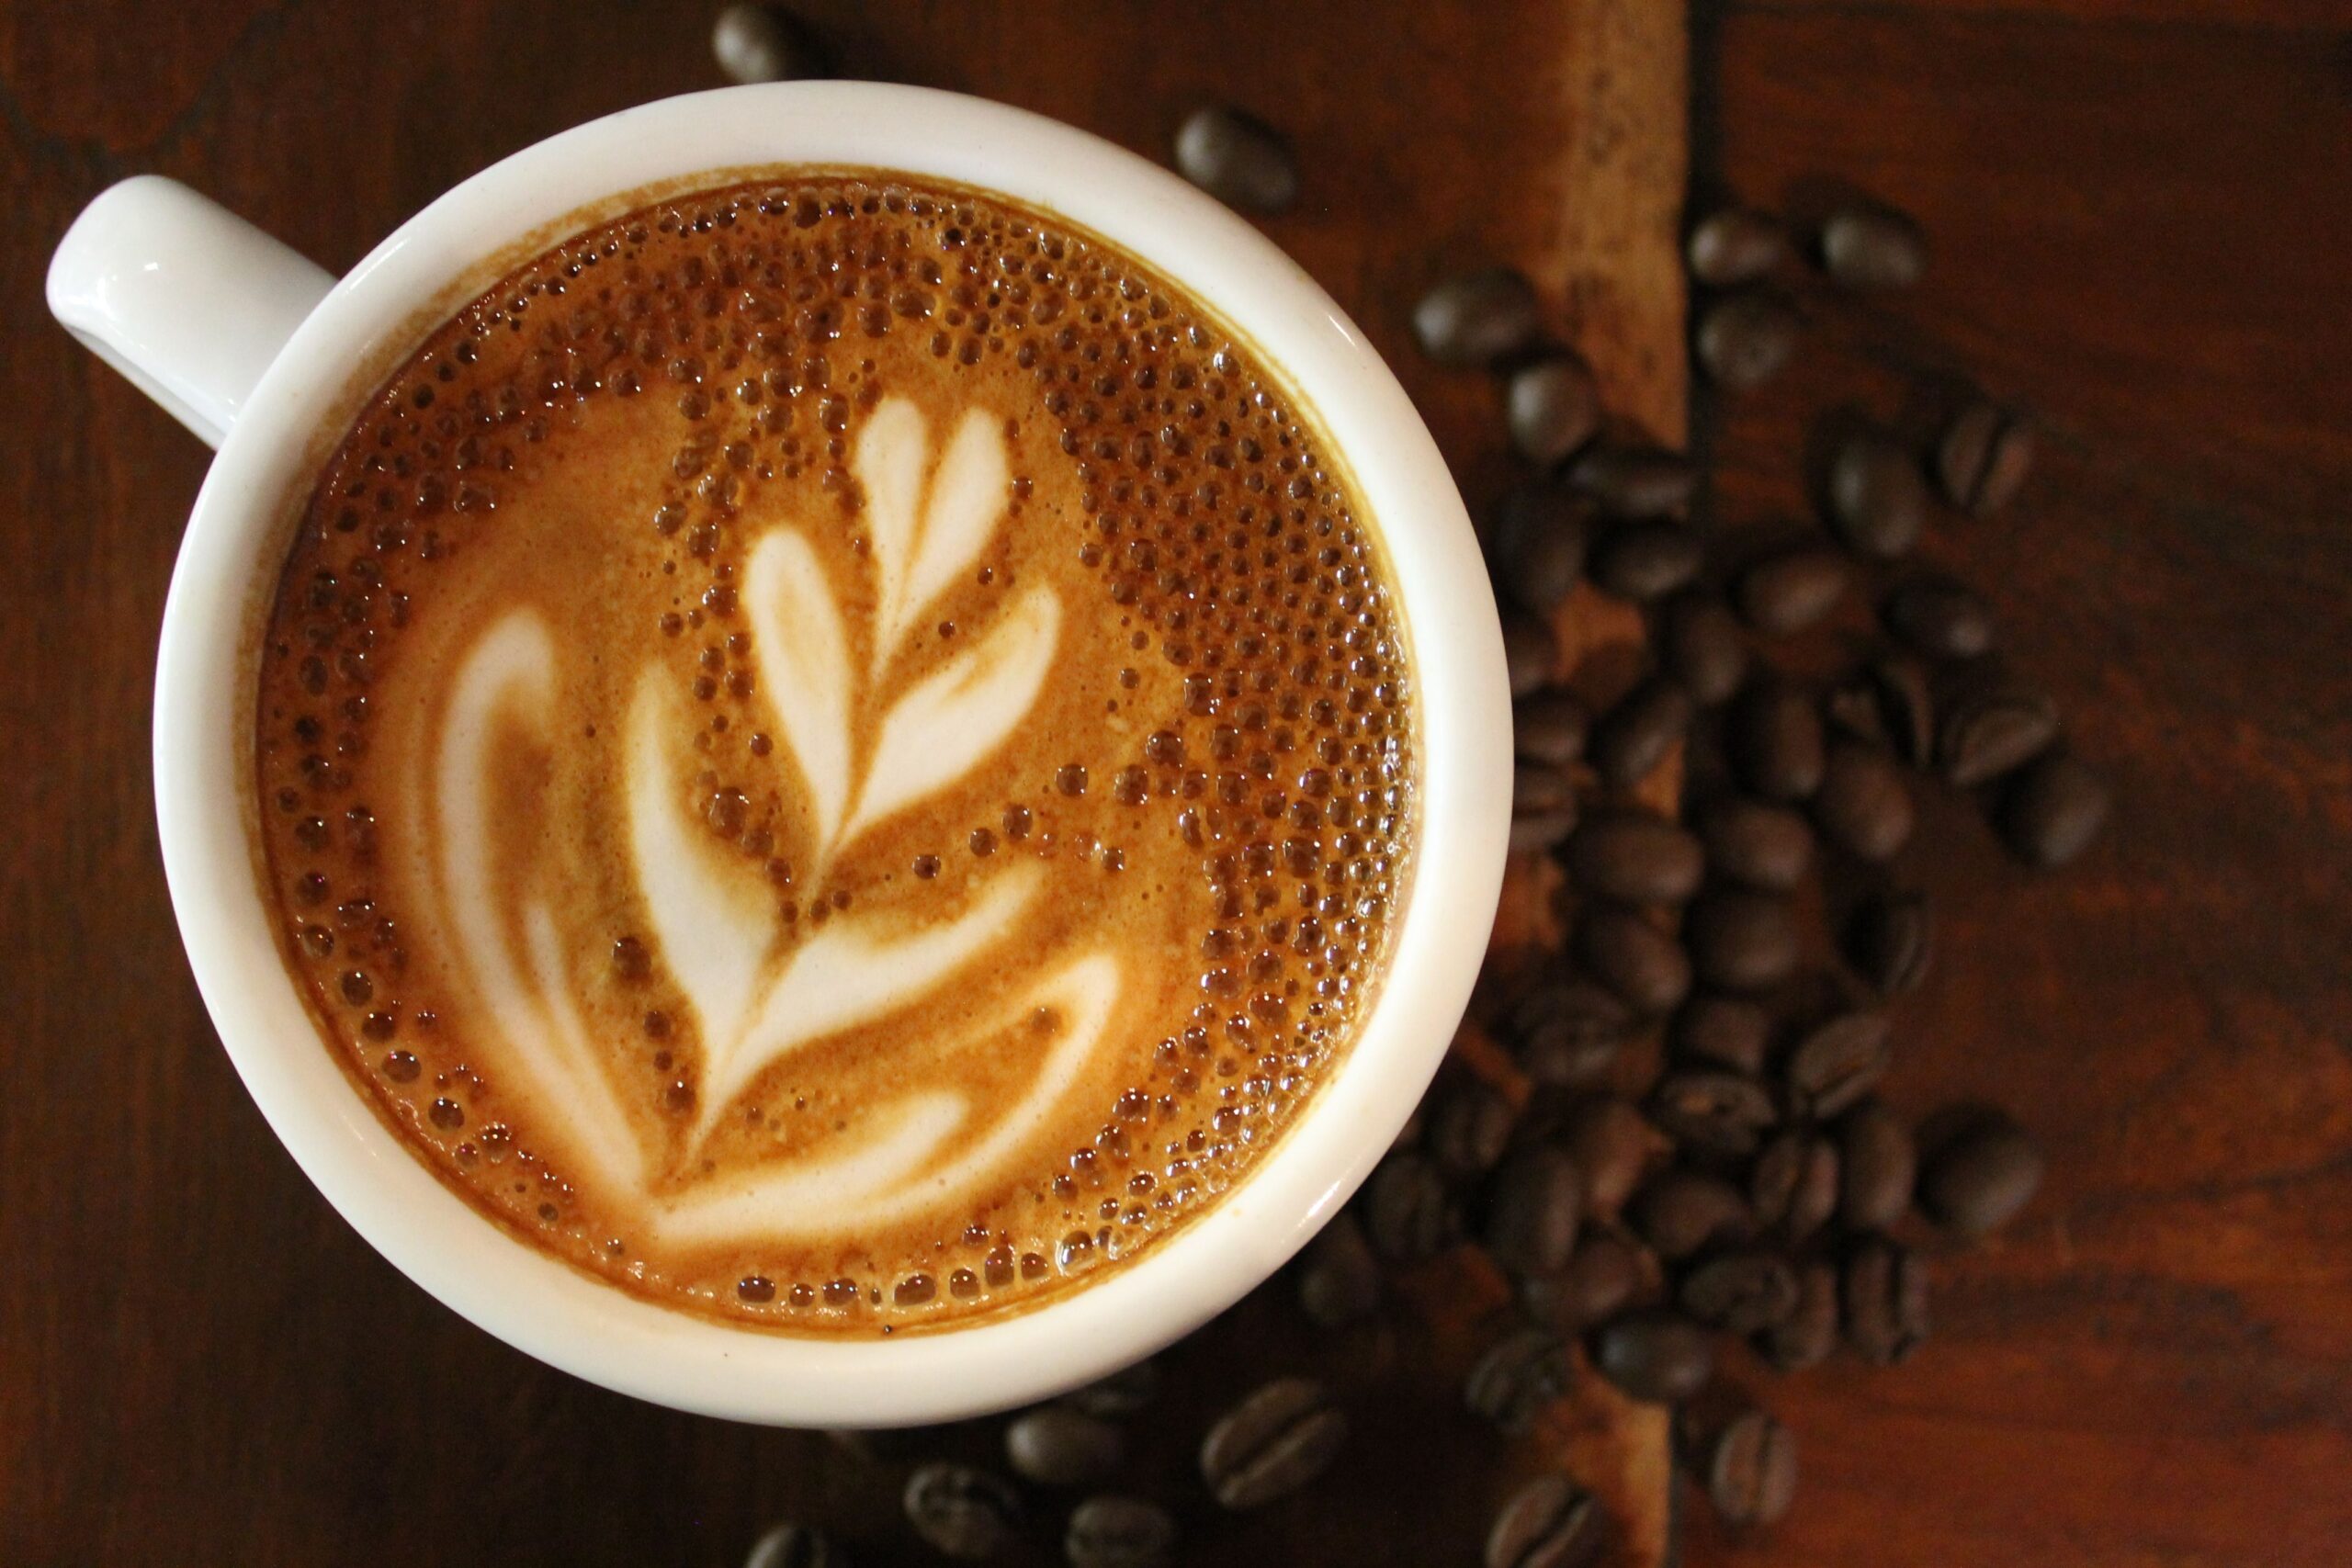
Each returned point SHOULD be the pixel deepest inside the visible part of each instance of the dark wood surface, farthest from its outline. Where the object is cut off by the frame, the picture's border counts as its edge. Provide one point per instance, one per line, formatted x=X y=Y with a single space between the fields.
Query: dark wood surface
x=2141 y=221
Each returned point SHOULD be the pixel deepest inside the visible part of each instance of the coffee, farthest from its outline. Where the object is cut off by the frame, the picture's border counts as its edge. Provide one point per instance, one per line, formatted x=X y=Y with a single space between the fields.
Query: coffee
x=836 y=754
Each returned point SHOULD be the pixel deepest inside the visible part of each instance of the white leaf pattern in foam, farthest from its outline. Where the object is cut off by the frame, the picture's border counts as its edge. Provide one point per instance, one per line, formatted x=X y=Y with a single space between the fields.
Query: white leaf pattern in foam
x=966 y=497
x=893 y=452
x=805 y=668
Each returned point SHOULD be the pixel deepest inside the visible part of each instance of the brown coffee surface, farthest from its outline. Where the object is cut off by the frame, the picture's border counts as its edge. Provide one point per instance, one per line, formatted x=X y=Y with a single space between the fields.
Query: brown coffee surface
x=836 y=754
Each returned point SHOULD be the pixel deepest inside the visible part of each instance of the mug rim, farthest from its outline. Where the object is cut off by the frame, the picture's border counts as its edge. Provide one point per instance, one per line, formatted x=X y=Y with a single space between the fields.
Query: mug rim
x=556 y=1311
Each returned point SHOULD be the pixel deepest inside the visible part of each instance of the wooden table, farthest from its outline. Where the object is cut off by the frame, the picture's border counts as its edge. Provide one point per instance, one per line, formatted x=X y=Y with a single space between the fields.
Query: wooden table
x=2140 y=222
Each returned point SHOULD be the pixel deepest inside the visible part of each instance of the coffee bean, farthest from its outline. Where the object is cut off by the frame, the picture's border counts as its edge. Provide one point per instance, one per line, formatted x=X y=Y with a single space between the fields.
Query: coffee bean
x=1478 y=318
x=1528 y=653
x=1236 y=158
x=1552 y=406
x=1983 y=458
x=1977 y=1180
x=1636 y=482
x=1682 y=1211
x=1516 y=1377
x=1751 y=1470
x=1765 y=846
x=1734 y=246
x=795 y=1546
x=1863 y=805
x=1745 y=339
x=1994 y=731
x=1120 y=1532
x=1941 y=618
x=1407 y=1214
x=1890 y=942
x=1127 y=1391
x=1654 y=1355
x=1634 y=858
x=1551 y=1522
x=1602 y=1276
x=1469 y=1128
x=1877 y=503
x=1880 y=1163
x=1791 y=589
x=1339 y=1278
x=1542 y=807
x=1722 y=1032
x=1795 y=1184
x=882 y=1445
x=1741 y=941
x=1533 y=1211
x=1867 y=246
x=1836 y=1064
x=1610 y=1142
x=1646 y=561
x=1273 y=1443
x=1550 y=728
x=1633 y=737
x=1885 y=1289
x=1057 y=1446
x=1807 y=1335
x=1563 y=1057
x=1538 y=547
x=1566 y=1032
x=1775 y=741
x=762 y=43
x=2055 y=810
x=1742 y=1291
x=960 y=1511
x=1645 y=968
x=1720 y=1112
x=1902 y=709
x=1701 y=645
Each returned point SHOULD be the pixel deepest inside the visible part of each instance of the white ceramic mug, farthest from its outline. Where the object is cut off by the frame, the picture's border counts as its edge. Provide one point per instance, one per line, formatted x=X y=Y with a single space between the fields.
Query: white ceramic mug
x=267 y=358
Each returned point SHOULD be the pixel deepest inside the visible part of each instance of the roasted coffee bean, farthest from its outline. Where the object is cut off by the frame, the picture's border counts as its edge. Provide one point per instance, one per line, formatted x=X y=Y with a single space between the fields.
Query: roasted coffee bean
x=1791 y=589
x=1602 y=1276
x=1765 y=846
x=1745 y=339
x=1890 y=940
x=1807 y=1335
x=1741 y=941
x=1723 y=1113
x=795 y=1546
x=1884 y=1288
x=1635 y=857
x=1864 y=245
x=960 y=1511
x=1339 y=1278
x=1127 y=1391
x=1905 y=703
x=1640 y=732
x=1992 y=732
x=1775 y=741
x=1722 y=1032
x=1645 y=968
x=1863 y=805
x=1552 y=407
x=1983 y=457
x=1478 y=318
x=1751 y=1470
x=763 y=43
x=1636 y=482
x=1542 y=807
x=1646 y=561
x=1529 y=653
x=1836 y=1064
x=1679 y=1212
x=1538 y=547
x=1516 y=1377
x=1120 y=1532
x=1236 y=158
x=1610 y=1142
x=1701 y=645
x=1468 y=1127
x=2055 y=810
x=1877 y=503
x=1273 y=1443
x=1564 y=1059
x=1977 y=1180
x=1551 y=1522
x=1742 y=1291
x=1795 y=1184
x=1734 y=246
x=1533 y=1211
x=1878 y=1163
x=1941 y=618
x=1407 y=1214
x=1550 y=728
x=1566 y=1032
x=1057 y=1446
x=1654 y=1355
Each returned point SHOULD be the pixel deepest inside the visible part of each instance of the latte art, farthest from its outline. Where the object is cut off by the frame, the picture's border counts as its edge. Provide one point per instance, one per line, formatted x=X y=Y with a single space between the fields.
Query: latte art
x=836 y=755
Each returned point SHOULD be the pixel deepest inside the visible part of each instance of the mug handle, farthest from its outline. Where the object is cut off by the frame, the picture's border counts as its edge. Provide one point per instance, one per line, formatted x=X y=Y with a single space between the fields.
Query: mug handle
x=186 y=299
